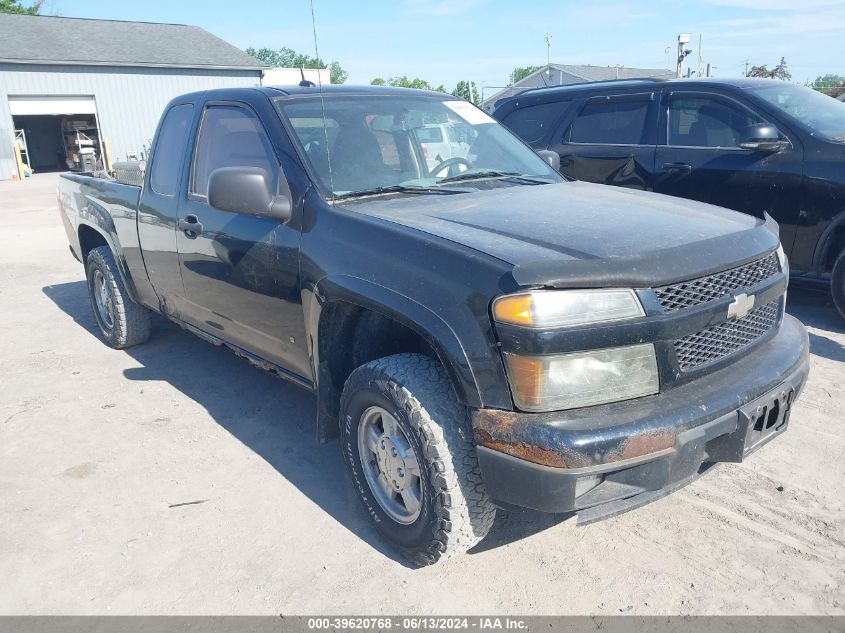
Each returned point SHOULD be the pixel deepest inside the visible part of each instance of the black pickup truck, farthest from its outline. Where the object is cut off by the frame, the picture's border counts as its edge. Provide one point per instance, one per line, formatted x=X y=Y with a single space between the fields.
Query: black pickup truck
x=480 y=333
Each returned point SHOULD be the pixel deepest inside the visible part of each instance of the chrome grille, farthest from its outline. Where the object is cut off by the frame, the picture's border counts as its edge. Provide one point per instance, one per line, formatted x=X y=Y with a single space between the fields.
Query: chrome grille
x=723 y=339
x=688 y=294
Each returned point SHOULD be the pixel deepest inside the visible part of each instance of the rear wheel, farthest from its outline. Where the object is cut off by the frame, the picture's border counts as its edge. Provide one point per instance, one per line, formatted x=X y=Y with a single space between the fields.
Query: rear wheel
x=837 y=288
x=122 y=322
x=408 y=448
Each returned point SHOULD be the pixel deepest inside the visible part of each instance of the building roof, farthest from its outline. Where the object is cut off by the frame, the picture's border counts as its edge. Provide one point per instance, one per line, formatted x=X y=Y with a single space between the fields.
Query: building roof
x=37 y=39
x=563 y=74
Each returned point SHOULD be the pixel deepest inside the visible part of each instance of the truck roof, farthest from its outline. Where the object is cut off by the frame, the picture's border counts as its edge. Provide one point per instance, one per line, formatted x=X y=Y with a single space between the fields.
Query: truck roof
x=327 y=90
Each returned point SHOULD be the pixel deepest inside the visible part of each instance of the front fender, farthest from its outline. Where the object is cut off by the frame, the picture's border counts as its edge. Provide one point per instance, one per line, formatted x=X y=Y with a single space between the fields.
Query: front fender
x=413 y=315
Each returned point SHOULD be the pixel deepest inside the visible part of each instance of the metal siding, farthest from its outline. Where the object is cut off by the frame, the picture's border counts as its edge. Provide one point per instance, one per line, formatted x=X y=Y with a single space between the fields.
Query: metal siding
x=129 y=100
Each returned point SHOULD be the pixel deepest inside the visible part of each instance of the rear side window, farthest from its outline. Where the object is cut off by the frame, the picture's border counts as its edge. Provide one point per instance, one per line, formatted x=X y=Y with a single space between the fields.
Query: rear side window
x=532 y=124
x=610 y=122
x=231 y=136
x=170 y=147
x=430 y=135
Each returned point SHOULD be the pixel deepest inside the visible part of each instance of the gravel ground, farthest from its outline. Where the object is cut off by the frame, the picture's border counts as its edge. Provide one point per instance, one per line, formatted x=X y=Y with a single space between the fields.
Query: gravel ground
x=176 y=478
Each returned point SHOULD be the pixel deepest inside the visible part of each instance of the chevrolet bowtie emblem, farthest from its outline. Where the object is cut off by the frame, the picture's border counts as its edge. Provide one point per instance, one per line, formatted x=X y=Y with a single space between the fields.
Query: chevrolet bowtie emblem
x=740 y=306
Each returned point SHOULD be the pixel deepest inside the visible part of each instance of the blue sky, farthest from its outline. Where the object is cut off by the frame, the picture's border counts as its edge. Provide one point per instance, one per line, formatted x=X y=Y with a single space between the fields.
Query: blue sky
x=445 y=41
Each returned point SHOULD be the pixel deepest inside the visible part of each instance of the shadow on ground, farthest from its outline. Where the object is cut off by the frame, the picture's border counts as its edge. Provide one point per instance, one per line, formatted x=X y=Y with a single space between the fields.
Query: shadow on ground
x=272 y=417
x=815 y=308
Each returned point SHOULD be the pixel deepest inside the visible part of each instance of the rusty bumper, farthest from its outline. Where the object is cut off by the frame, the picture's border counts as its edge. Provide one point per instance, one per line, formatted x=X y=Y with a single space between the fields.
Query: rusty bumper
x=562 y=461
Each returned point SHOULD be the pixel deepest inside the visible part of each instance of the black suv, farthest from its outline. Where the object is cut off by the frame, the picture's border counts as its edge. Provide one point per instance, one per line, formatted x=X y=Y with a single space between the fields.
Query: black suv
x=755 y=145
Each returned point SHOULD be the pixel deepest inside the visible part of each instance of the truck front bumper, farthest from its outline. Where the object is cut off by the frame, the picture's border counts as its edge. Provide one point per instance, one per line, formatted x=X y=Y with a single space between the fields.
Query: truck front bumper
x=604 y=460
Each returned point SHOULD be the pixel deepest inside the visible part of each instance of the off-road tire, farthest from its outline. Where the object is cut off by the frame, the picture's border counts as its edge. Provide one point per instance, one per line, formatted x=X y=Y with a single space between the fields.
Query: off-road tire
x=131 y=324
x=456 y=511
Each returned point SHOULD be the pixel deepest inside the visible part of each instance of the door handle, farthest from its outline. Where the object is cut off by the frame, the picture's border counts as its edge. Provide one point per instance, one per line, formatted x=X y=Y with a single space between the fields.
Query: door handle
x=190 y=224
x=677 y=167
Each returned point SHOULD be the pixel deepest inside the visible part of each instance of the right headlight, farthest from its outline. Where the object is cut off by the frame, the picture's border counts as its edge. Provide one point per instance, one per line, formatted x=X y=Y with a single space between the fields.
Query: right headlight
x=546 y=309
x=581 y=379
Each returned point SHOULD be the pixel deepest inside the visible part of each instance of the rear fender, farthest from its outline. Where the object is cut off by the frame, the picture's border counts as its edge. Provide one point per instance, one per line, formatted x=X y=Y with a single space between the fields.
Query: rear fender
x=96 y=217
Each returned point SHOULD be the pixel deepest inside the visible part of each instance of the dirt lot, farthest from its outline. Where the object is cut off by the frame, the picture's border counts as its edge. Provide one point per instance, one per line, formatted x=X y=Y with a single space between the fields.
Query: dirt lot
x=98 y=445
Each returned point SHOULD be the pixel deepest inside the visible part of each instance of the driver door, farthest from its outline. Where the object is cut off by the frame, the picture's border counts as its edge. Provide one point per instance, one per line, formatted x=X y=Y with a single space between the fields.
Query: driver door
x=240 y=272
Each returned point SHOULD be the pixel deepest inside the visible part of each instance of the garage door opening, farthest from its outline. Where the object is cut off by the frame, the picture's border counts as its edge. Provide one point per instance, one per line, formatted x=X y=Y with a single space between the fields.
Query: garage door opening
x=60 y=133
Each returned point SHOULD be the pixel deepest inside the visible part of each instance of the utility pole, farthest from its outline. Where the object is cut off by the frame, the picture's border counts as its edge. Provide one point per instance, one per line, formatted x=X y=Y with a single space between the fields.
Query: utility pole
x=746 y=68
x=683 y=40
x=548 y=54
x=698 y=74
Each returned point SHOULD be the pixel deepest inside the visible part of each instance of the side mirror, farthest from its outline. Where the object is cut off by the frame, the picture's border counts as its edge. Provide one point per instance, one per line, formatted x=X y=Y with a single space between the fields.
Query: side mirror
x=552 y=158
x=247 y=190
x=763 y=137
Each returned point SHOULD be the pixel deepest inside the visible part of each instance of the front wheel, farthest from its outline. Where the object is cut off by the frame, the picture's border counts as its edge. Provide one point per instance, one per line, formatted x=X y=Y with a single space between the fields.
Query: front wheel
x=408 y=448
x=837 y=280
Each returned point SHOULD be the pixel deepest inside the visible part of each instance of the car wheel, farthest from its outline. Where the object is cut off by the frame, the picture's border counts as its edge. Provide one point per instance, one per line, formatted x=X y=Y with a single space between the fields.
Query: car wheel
x=122 y=322
x=407 y=444
x=837 y=284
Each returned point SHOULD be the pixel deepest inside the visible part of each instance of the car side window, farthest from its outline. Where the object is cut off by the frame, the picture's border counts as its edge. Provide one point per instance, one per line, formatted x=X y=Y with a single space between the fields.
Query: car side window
x=610 y=122
x=231 y=136
x=532 y=123
x=706 y=122
x=170 y=147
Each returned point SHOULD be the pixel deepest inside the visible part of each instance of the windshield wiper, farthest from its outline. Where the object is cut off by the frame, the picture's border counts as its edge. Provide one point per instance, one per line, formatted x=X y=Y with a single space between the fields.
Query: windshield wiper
x=378 y=191
x=479 y=175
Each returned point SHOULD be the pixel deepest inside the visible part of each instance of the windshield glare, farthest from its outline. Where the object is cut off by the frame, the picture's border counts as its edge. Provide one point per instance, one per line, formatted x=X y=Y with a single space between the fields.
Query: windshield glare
x=824 y=115
x=369 y=142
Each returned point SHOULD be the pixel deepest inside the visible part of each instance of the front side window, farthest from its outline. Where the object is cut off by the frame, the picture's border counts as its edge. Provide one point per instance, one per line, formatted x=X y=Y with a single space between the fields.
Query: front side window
x=706 y=122
x=231 y=136
x=366 y=142
x=170 y=147
x=611 y=122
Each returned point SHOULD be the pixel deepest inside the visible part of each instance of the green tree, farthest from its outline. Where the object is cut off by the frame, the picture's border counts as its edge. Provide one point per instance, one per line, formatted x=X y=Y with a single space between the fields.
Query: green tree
x=337 y=74
x=521 y=72
x=467 y=90
x=778 y=72
x=833 y=85
x=15 y=6
x=758 y=71
x=405 y=82
x=289 y=58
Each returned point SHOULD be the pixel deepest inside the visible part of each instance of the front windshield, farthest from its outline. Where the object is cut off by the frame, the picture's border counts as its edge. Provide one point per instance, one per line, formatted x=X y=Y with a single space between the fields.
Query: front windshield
x=408 y=143
x=824 y=115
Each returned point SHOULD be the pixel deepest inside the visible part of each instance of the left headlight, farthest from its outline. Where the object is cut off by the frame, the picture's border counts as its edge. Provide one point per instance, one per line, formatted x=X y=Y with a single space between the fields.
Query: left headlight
x=581 y=379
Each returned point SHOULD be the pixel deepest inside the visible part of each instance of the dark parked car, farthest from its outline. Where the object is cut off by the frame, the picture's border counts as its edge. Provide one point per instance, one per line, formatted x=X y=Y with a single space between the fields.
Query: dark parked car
x=755 y=145
x=477 y=333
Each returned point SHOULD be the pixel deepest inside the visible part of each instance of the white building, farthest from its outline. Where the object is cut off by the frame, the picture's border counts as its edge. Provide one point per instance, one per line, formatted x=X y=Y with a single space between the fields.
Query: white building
x=67 y=84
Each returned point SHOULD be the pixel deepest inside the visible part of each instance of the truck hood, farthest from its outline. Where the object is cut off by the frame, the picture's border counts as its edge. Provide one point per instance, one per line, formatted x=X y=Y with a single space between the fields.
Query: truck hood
x=579 y=234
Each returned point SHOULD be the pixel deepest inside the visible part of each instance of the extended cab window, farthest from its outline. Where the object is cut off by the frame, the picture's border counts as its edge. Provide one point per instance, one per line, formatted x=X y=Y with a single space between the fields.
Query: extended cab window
x=170 y=147
x=533 y=123
x=706 y=122
x=611 y=121
x=231 y=136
